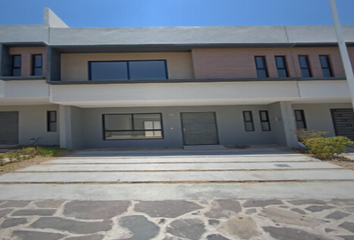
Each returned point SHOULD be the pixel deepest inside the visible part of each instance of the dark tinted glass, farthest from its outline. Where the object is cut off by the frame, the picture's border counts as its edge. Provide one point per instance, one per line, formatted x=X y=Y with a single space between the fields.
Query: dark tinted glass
x=280 y=61
x=300 y=119
x=16 y=61
x=260 y=62
x=52 y=121
x=249 y=126
x=326 y=68
x=37 y=61
x=262 y=73
x=300 y=125
x=304 y=63
x=326 y=72
x=298 y=115
x=282 y=73
x=118 y=122
x=281 y=66
x=305 y=73
x=108 y=71
x=37 y=72
x=52 y=127
x=16 y=72
x=147 y=70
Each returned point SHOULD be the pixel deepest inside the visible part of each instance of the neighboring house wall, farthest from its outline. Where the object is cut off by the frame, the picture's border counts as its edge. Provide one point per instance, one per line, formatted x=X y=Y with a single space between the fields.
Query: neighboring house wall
x=26 y=58
x=33 y=123
x=318 y=116
x=229 y=119
x=240 y=63
x=75 y=66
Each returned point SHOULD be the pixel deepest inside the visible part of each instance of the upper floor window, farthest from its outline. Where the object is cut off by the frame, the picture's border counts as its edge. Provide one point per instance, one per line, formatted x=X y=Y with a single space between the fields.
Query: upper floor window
x=261 y=67
x=326 y=67
x=16 y=65
x=37 y=65
x=281 y=66
x=305 y=66
x=128 y=70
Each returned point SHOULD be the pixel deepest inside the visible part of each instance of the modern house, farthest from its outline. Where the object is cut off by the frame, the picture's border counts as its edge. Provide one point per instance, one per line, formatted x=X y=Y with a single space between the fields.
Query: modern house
x=170 y=86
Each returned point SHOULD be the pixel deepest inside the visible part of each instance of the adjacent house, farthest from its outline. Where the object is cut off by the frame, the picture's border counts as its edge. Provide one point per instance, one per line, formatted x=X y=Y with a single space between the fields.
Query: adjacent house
x=170 y=86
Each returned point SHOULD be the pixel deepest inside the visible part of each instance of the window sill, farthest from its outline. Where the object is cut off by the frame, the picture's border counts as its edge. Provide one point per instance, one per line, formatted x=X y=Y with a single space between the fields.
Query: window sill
x=11 y=78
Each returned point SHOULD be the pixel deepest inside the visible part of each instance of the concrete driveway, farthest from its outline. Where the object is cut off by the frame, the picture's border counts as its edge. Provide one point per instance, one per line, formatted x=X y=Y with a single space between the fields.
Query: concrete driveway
x=253 y=194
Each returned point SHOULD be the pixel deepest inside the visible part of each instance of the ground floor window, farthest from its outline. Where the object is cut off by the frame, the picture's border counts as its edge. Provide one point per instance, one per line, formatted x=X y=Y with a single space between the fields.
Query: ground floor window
x=132 y=126
x=248 y=121
x=300 y=119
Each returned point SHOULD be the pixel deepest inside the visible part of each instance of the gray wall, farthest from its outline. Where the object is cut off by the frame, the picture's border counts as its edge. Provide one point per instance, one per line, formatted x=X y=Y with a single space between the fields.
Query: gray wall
x=24 y=34
x=53 y=65
x=76 y=128
x=277 y=126
x=5 y=61
x=318 y=116
x=229 y=122
x=33 y=123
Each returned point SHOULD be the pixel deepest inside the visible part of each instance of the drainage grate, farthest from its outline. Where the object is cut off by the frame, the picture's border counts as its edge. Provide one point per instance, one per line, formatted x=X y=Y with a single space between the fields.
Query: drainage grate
x=282 y=165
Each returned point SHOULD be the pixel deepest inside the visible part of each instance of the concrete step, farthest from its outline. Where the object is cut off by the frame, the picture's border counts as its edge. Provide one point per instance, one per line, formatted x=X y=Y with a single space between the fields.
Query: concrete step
x=207 y=191
x=212 y=176
x=272 y=158
x=177 y=167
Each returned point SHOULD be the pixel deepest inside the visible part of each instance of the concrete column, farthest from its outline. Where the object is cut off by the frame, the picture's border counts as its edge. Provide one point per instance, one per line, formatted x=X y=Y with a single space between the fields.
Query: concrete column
x=70 y=128
x=289 y=124
x=65 y=126
x=283 y=124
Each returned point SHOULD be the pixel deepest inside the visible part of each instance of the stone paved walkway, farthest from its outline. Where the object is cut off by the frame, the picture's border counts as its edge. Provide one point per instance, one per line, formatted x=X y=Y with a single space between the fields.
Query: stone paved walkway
x=301 y=219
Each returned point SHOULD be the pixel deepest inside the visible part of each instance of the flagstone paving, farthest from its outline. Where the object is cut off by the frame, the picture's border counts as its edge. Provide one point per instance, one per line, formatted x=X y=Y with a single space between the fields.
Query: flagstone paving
x=224 y=219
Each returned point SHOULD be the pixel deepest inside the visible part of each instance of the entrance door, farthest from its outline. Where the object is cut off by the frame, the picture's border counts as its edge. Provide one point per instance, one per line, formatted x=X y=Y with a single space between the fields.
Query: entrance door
x=8 y=128
x=343 y=120
x=199 y=128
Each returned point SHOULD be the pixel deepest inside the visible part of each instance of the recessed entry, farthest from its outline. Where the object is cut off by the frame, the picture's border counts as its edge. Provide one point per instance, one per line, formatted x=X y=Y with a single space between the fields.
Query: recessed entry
x=282 y=165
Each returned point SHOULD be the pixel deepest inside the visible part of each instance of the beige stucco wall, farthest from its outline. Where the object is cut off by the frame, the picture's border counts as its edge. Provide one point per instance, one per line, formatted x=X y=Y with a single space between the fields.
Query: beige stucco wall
x=74 y=67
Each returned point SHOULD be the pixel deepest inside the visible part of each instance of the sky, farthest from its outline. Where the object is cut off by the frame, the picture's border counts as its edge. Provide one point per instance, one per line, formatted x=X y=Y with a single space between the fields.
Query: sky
x=152 y=13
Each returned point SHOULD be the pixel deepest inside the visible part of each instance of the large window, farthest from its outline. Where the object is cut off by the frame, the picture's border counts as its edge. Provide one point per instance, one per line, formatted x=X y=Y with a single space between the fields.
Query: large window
x=128 y=70
x=261 y=67
x=248 y=121
x=281 y=66
x=305 y=66
x=37 y=65
x=300 y=119
x=326 y=67
x=16 y=65
x=132 y=126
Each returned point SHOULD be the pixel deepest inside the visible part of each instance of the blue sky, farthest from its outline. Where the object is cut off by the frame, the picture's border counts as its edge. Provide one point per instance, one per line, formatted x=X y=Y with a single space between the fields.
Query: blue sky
x=143 y=13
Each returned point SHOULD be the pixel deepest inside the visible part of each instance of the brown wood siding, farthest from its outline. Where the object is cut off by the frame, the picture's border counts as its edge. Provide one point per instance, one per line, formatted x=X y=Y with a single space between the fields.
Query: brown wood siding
x=239 y=62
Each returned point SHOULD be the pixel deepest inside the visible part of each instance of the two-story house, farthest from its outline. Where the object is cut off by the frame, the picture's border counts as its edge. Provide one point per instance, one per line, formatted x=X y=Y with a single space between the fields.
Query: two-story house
x=170 y=86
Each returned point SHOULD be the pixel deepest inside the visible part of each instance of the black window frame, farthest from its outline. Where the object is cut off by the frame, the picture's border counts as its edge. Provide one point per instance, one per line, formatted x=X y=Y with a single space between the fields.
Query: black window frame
x=13 y=64
x=34 y=65
x=250 y=121
x=303 y=120
x=132 y=119
x=329 y=67
x=308 y=68
x=285 y=66
x=49 y=121
x=261 y=69
x=128 y=69
x=264 y=121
